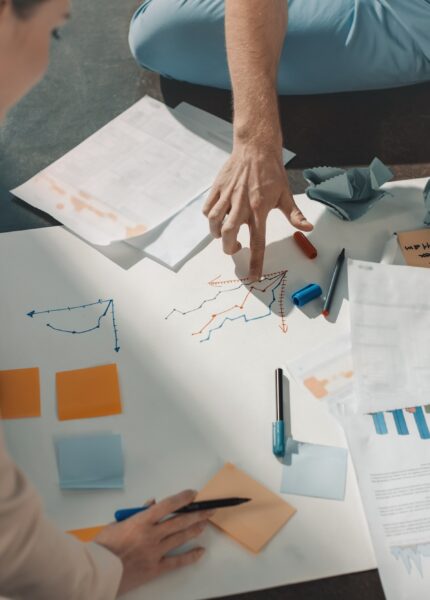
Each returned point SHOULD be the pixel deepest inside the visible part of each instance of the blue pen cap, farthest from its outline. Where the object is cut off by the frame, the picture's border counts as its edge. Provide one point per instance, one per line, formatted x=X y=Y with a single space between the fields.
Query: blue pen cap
x=306 y=294
x=278 y=438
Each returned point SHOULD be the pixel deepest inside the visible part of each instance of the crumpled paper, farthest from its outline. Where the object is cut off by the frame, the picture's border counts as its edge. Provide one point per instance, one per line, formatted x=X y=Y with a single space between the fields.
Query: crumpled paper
x=349 y=194
x=427 y=203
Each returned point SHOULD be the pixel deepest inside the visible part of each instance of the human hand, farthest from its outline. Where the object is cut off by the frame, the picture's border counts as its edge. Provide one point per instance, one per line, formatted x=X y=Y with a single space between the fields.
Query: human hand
x=250 y=185
x=143 y=541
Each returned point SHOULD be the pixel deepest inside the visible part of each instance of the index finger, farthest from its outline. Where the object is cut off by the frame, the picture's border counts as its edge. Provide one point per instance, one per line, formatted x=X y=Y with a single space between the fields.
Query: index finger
x=257 y=230
x=211 y=200
x=169 y=505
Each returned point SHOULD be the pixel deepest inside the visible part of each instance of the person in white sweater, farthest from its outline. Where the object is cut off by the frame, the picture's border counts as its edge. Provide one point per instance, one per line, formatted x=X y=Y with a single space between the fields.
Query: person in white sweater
x=37 y=560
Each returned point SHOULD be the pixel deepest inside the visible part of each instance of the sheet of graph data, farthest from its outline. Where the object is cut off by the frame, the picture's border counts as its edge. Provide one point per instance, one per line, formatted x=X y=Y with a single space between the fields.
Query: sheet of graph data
x=390 y=324
x=128 y=177
x=391 y=453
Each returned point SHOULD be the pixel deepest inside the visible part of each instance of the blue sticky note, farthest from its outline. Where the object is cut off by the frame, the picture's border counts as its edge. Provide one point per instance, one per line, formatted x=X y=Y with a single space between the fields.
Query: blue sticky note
x=314 y=470
x=92 y=461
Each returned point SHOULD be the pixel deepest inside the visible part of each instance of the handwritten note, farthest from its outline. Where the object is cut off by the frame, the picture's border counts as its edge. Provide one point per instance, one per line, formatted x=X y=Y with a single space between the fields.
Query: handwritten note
x=415 y=247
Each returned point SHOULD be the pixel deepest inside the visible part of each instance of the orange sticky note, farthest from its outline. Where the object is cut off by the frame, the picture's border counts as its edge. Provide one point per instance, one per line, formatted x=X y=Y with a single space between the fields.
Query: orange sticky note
x=19 y=394
x=87 y=534
x=252 y=524
x=415 y=246
x=88 y=393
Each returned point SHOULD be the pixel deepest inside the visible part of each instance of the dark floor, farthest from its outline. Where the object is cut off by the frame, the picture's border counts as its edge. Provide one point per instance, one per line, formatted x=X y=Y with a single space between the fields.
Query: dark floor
x=93 y=78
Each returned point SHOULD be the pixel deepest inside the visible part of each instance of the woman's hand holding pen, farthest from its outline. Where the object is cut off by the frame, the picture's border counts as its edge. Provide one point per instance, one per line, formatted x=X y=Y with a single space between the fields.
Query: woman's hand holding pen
x=144 y=541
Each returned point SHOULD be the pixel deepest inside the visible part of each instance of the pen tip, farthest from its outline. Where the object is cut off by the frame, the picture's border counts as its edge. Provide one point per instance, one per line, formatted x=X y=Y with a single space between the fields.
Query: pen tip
x=325 y=313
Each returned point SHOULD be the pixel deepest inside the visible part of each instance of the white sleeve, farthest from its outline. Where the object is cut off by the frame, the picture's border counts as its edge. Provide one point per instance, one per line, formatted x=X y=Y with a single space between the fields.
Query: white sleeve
x=40 y=562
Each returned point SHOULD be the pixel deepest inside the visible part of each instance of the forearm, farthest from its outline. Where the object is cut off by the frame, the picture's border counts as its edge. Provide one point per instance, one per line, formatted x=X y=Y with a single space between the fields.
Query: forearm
x=255 y=32
x=37 y=560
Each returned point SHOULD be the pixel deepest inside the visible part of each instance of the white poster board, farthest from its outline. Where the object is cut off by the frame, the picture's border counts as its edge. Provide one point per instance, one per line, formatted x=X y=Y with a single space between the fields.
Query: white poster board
x=189 y=406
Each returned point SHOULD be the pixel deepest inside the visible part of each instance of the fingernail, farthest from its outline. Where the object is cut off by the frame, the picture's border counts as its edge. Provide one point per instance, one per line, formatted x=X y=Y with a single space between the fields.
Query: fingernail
x=210 y=513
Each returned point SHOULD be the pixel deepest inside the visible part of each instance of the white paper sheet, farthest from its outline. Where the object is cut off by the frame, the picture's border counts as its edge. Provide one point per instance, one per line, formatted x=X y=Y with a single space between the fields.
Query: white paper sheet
x=326 y=373
x=394 y=475
x=176 y=240
x=127 y=178
x=390 y=325
x=188 y=406
x=181 y=236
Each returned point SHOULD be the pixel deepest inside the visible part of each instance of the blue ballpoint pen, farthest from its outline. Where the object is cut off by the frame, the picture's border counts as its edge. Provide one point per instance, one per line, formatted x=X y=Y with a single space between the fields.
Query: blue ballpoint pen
x=278 y=427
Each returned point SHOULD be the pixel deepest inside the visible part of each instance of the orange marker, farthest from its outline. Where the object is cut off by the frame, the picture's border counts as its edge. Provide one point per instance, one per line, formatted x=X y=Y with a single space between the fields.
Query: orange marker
x=302 y=241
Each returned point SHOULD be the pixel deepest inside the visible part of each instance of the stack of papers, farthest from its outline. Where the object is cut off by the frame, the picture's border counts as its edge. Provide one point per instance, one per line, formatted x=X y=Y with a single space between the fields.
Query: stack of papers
x=132 y=178
x=389 y=432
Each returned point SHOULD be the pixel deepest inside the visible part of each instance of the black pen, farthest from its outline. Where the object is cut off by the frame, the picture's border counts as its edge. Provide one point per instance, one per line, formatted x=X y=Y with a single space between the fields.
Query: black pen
x=333 y=283
x=124 y=513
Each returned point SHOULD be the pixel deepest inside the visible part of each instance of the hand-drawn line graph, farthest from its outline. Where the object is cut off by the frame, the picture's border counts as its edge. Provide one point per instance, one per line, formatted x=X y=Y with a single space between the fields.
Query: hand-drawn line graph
x=270 y=287
x=108 y=309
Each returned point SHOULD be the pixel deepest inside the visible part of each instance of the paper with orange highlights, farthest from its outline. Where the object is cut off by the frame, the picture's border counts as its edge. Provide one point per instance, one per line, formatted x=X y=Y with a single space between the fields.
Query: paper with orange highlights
x=87 y=534
x=20 y=394
x=415 y=247
x=252 y=524
x=88 y=393
x=131 y=176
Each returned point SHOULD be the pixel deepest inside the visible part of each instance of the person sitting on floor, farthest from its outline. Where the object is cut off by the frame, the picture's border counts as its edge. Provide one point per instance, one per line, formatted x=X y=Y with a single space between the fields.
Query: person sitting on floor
x=244 y=45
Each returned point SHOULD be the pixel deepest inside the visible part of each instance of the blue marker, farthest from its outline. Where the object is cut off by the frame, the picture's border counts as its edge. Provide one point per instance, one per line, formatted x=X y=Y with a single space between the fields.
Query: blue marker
x=306 y=294
x=278 y=427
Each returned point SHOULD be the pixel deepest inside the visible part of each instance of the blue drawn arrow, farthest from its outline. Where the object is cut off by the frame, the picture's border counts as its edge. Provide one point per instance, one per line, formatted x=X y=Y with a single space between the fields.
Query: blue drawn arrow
x=110 y=307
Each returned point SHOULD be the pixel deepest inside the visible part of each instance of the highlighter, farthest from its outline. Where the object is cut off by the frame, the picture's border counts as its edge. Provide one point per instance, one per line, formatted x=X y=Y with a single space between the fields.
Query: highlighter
x=278 y=426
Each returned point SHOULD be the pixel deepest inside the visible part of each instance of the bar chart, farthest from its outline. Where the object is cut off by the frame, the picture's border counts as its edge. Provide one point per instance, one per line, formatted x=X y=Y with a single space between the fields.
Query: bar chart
x=408 y=421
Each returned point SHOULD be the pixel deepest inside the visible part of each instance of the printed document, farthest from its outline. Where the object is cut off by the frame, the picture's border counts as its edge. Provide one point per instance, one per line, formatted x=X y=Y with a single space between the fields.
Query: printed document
x=390 y=325
x=128 y=177
x=393 y=471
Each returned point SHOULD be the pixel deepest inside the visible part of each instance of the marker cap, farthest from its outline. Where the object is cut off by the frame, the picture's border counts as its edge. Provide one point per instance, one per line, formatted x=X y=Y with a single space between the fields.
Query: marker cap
x=278 y=438
x=303 y=242
x=306 y=294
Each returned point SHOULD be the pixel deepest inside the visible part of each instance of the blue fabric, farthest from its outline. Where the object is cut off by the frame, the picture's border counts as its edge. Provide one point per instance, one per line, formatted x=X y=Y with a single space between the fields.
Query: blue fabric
x=331 y=46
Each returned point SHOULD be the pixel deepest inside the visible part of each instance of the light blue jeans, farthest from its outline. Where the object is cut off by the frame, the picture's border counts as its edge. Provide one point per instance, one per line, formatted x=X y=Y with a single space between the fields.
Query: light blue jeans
x=331 y=45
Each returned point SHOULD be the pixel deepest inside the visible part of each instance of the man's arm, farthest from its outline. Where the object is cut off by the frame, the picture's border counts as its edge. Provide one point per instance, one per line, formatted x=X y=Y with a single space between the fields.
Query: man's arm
x=254 y=180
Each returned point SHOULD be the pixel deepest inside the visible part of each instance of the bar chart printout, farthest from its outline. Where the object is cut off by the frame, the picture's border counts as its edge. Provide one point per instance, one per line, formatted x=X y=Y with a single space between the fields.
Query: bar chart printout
x=413 y=421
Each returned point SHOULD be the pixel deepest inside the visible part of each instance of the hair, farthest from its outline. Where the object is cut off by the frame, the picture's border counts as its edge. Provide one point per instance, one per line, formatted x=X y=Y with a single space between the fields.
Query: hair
x=24 y=8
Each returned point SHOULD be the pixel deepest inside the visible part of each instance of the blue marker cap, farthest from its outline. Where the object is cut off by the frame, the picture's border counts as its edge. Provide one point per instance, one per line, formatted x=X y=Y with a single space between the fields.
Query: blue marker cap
x=278 y=438
x=306 y=294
